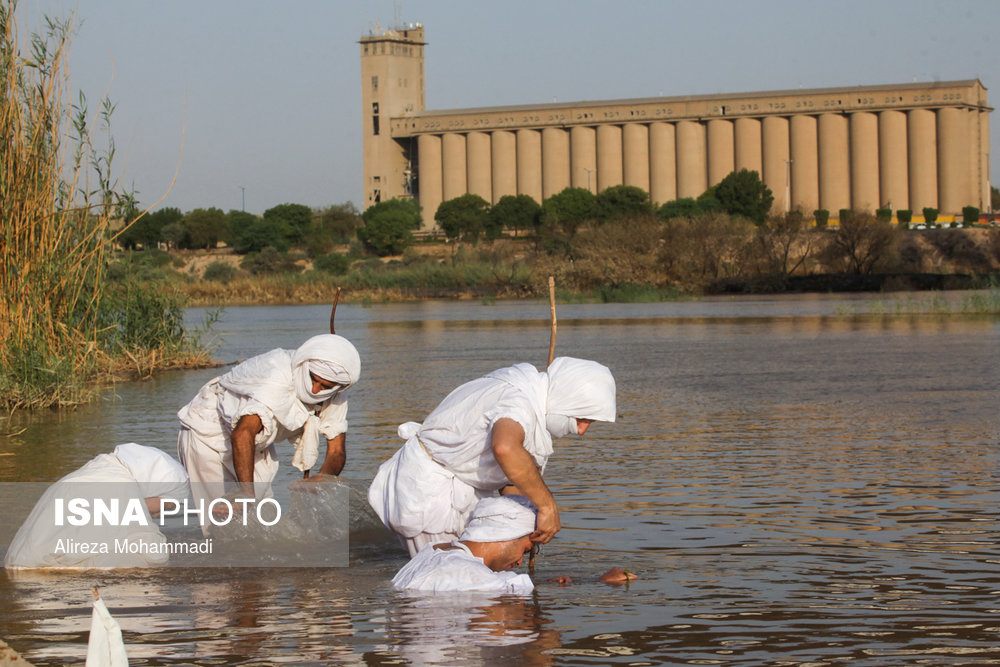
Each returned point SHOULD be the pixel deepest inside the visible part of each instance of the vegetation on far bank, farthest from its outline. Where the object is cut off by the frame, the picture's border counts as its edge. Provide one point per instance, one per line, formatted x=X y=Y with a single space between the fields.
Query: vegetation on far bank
x=64 y=324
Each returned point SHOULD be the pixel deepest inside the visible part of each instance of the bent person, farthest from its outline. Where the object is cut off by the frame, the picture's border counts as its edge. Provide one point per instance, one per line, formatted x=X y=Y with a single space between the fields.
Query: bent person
x=494 y=542
x=49 y=537
x=229 y=430
x=490 y=434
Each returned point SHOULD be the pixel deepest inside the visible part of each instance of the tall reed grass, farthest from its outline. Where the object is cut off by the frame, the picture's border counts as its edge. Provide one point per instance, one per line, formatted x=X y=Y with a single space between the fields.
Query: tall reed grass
x=61 y=322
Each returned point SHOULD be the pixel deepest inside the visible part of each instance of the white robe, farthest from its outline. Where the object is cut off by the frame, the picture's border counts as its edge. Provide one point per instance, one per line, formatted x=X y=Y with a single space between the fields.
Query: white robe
x=264 y=386
x=130 y=472
x=427 y=490
x=456 y=570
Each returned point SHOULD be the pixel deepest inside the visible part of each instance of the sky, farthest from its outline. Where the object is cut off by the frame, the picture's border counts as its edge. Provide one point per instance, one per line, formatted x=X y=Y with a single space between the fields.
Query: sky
x=246 y=104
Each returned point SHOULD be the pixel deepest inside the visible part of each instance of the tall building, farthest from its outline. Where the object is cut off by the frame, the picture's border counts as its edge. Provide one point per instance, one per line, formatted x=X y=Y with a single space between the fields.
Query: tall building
x=902 y=146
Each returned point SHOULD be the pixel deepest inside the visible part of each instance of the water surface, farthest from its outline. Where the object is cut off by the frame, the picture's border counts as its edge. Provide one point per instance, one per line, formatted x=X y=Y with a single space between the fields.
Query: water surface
x=793 y=484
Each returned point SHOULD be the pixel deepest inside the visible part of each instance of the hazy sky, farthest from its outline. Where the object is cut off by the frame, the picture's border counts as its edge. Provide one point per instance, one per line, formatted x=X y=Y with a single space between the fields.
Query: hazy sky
x=264 y=97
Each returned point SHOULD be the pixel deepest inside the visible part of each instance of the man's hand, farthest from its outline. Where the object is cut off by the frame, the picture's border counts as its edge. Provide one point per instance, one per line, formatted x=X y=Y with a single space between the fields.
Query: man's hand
x=547 y=524
x=507 y=441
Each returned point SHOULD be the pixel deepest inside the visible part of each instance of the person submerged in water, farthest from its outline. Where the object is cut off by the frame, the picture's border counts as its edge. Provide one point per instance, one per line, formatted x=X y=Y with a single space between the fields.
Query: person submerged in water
x=494 y=542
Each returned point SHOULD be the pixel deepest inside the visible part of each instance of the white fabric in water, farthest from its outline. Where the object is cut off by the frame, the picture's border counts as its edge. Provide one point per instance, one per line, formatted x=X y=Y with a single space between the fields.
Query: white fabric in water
x=40 y=542
x=157 y=474
x=456 y=569
x=105 y=648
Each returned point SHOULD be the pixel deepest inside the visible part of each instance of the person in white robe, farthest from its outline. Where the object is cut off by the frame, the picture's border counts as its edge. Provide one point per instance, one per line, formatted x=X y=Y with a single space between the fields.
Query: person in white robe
x=131 y=471
x=229 y=430
x=493 y=433
x=494 y=542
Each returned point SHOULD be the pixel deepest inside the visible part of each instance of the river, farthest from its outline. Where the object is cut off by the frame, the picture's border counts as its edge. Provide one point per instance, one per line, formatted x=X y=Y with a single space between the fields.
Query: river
x=794 y=480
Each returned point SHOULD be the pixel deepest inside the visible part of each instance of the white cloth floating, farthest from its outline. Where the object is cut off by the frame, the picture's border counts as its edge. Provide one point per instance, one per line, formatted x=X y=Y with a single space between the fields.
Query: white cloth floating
x=105 y=648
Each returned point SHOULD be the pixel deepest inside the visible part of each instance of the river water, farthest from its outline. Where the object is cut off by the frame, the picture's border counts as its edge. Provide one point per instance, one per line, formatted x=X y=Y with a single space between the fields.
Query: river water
x=793 y=480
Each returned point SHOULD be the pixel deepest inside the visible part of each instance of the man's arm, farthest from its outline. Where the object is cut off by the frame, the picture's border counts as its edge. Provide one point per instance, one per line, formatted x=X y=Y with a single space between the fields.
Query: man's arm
x=243 y=438
x=336 y=455
x=520 y=468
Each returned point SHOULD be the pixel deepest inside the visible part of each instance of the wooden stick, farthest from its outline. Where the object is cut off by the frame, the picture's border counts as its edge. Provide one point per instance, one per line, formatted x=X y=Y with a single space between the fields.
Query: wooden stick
x=552 y=314
x=333 y=311
x=97 y=595
x=552 y=354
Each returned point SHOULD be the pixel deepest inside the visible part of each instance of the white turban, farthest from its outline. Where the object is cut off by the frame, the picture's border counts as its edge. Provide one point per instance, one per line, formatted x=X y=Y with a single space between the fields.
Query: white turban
x=500 y=519
x=580 y=389
x=330 y=357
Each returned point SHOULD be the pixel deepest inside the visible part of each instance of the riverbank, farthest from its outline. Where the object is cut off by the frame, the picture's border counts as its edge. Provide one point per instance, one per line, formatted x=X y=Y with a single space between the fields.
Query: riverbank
x=598 y=269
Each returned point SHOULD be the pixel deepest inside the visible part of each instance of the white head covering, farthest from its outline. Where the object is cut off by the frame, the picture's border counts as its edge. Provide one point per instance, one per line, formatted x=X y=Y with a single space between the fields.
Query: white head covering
x=580 y=389
x=502 y=518
x=156 y=473
x=330 y=357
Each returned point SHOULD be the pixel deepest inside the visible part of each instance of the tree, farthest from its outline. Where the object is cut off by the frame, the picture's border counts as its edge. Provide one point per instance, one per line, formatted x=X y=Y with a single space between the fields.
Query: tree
x=568 y=209
x=206 y=227
x=463 y=217
x=743 y=193
x=864 y=241
x=785 y=242
x=621 y=201
x=146 y=231
x=296 y=217
x=517 y=212
x=332 y=225
x=239 y=221
x=388 y=225
x=261 y=234
x=685 y=207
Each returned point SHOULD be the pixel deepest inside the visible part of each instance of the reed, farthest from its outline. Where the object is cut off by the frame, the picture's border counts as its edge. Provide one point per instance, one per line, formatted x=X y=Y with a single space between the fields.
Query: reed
x=60 y=211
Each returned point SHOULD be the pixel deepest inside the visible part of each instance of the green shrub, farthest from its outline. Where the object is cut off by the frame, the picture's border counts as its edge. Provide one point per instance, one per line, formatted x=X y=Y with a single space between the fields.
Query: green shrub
x=904 y=216
x=970 y=214
x=333 y=262
x=930 y=215
x=822 y=216
x=220 y=272
x=883 y=214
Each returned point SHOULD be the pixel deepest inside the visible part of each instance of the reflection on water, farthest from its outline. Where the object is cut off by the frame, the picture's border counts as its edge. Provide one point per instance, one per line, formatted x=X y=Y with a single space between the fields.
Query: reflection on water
x=793 y=484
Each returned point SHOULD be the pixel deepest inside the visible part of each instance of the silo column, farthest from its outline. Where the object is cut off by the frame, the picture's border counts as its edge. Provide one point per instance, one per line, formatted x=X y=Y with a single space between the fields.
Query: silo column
x=635 y=137
x=894 y=188
x=479 y=165
x=749 y=145
x=454 y=166
x=921 y=134
x=662 y=163
x=953 y=159
x=777 y=172
x=583 y=157
x=529 y=164
x=864 y=161
x=692 y=160
x=429 y=184
x=834 y=163
x=504 y=158
x=555 y=161
x=609 y=156
x=721 y=150
x=804 y=145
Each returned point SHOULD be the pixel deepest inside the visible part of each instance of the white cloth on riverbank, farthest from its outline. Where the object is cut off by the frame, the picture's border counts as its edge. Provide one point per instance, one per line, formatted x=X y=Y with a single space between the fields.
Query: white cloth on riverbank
x=276 y=387
x=130 y=471
x=426 y=491
x=455 y=569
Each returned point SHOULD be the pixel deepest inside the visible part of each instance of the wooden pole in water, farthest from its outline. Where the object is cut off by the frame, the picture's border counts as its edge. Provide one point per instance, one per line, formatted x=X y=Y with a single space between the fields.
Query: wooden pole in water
x=552 y=354
x=333 y=311
x=333 y=316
